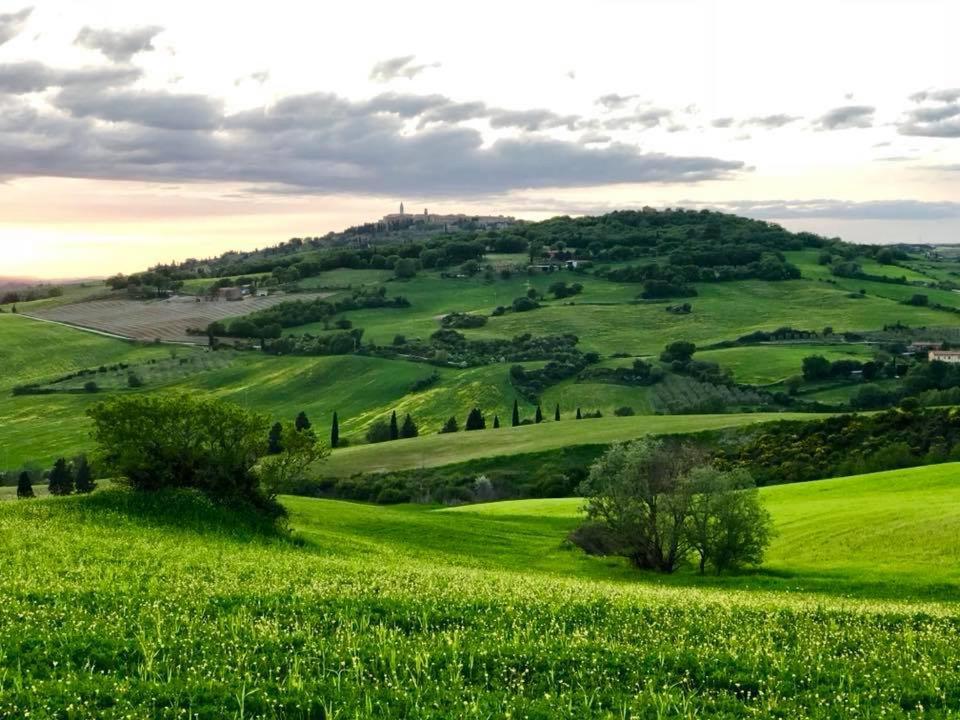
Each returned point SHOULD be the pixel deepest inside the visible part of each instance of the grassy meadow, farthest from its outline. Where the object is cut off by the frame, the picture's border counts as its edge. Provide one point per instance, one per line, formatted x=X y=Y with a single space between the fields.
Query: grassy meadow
x=132 y=606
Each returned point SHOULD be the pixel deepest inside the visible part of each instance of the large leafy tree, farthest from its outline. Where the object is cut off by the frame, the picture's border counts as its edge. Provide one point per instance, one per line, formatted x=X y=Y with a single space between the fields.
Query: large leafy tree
x=180 y=440
x=279 y=473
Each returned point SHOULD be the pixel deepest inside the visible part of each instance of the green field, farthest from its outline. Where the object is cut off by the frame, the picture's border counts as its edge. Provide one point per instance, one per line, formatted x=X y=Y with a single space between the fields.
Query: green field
x=435 y=450
x=767 y=364
x=130 y=606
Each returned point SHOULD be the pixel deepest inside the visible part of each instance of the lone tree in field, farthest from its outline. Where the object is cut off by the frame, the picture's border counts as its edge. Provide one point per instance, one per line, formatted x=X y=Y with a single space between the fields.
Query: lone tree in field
x=516 y=413
x=281 y=473
x=159 y=441
x=61 y=479
x=409 y=428
x=394 y=428
x=302 y=422
x=475 y=420
x=556 y=414
x=335 y=431
x=728 y=526
x=539 y=415
x=579 y=414
x=450 y=426
x=83 y=478
x=274 y=439
x=656 y=504
x=680 y=351
x=496 y=422
x=25 y=486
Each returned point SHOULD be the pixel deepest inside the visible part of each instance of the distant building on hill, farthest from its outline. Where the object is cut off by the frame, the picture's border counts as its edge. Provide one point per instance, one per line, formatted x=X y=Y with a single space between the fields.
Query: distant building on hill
x=947 y=356
x=485 y=222
x=921 y=345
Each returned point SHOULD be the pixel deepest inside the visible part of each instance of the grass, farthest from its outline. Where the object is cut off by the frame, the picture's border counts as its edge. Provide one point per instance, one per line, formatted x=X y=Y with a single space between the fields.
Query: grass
x=130 y=606
x=436 y=450
x=768 y=364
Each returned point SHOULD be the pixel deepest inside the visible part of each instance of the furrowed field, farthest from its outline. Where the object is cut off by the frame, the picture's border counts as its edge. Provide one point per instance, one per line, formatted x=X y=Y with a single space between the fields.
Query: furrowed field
x=117 y=605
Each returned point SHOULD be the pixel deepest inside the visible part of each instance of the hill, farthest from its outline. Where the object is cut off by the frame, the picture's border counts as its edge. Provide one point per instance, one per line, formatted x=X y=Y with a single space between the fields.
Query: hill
x=473 y=612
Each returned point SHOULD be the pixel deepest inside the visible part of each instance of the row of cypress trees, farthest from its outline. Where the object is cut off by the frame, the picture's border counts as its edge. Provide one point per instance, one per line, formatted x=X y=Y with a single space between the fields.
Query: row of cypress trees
x=64 y=479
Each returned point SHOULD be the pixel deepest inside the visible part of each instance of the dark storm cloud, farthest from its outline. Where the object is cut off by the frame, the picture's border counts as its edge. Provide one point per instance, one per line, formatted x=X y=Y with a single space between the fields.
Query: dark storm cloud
x=315 y=143
x=846 y=117
x=11 y=24
x=118 y=45
x=30 y=76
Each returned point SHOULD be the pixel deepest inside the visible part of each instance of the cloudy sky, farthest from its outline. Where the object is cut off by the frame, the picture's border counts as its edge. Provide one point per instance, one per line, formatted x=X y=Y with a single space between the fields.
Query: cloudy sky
x=133 y=132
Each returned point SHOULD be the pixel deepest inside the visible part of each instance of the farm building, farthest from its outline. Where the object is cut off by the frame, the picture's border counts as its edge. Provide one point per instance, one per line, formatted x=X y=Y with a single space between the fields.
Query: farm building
x=947 y=356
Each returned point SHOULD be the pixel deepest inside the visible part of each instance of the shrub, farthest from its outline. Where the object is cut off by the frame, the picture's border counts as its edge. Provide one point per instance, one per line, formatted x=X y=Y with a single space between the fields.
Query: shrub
x=378 y=432
x=625 y=411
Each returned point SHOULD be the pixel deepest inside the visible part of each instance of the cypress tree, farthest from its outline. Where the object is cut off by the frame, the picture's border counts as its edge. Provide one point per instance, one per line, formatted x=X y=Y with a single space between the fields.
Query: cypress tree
x=539 y=415
x=579 y=415
x=394 y=429
x=274 y=447
x=409 y=429
x=475 y=420
x=556 y=415
x=303 y=422
x=84 y=478
x=516 y=413
x=335 y=431
x=496 y=421
x=450 y=426
x=61 y=481
x=24 y=486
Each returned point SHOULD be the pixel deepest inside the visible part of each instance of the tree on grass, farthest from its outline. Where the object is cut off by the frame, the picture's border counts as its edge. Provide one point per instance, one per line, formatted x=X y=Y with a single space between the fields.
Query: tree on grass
x=280 y=473
x=394 y=428
x=579 y=414
x=158 y=441
x=450 y=426
x=816 y=367
x=556 y=413
x=539 y=415
x=379 y=432
x=728 y=526
x=409 y=429
x=274 y=439
x=25 y=486
x=680 y=351
x=61 y=478
x=496 y=422
x=475 y=420
x=658 y=503
x=83 y=477
x=303 y=422
x=335 y=431
x=516 y=413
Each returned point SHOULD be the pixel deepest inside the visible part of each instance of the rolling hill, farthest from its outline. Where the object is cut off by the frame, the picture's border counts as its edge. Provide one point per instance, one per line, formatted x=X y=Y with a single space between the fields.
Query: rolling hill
x=121 y=602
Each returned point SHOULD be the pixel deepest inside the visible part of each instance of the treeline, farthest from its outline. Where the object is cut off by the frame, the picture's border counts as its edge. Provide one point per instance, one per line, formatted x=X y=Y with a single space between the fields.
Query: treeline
x=29 y=294
x=449 y=347
x=270 y=322
x=794 y=451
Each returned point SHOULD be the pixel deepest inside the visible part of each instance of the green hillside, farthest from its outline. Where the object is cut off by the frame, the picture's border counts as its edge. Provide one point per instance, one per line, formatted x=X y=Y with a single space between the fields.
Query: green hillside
x=475 y=612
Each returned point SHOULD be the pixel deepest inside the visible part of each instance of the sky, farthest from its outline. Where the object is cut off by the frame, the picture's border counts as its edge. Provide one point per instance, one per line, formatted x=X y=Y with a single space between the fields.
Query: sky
x=139 y=132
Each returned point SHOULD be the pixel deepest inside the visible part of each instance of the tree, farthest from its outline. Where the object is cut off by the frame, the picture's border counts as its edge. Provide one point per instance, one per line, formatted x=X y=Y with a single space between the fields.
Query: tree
x=793 y=384
x=405 y=268
x=379 y=432
x=302 y=422
x=394 y=428
x=280 y=473
x=61 y=479
x=727 y=526
x=556 y=413
x=816 y=367
x=579 y=414
x=639 y=492
x=409 y=429
x=161 y=441
x=83 y=478
x=539 y=415
x=496 y=422
x=25 y=486
x=335 y=431
x=274 y=443
x=475 y=420
x=680 y=351
x=516 y=413
x=450 y=426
